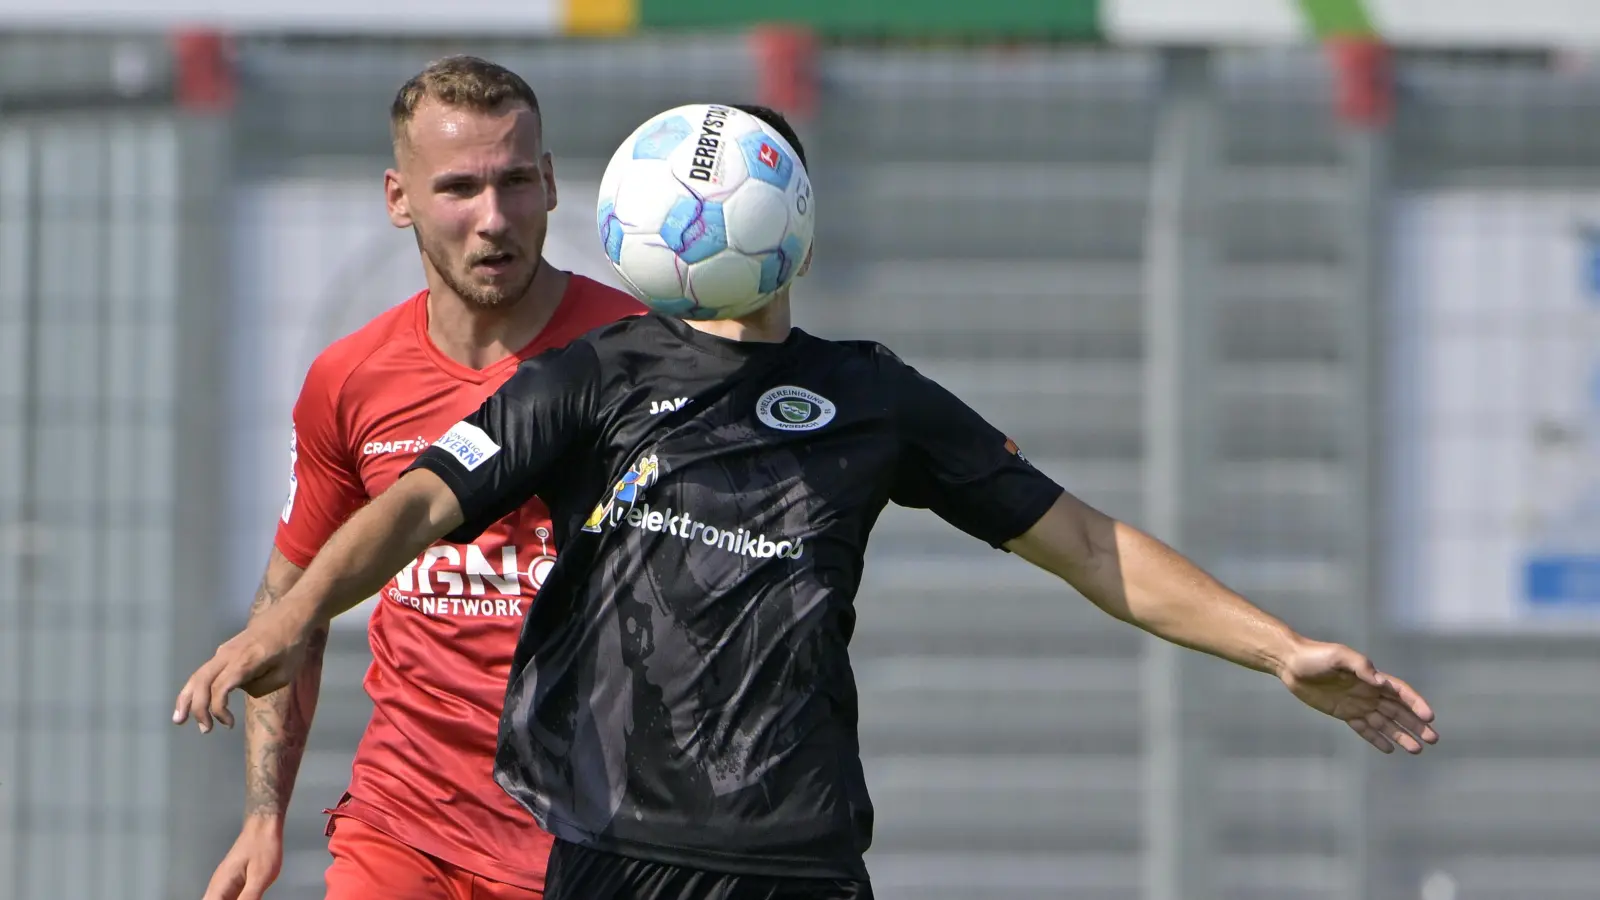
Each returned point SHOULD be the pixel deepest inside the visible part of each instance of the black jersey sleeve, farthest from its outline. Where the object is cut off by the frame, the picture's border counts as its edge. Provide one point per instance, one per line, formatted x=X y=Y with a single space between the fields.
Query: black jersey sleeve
x=955 y=463
x=506 y=452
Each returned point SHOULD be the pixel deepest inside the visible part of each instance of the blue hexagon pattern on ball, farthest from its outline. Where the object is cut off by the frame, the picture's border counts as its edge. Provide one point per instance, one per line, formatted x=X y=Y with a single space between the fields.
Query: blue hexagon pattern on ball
x=662 y=138
x=705 y=212
x=611 y=232
x=766 y=160
x=779 y=265
x=695 y=230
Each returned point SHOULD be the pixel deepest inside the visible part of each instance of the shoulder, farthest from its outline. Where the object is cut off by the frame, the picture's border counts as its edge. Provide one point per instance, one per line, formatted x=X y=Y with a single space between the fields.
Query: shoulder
x=641 y=330
x=570 y=368
x=869 y=369
x=331 y=371
x=342 y=358
x=862 y=357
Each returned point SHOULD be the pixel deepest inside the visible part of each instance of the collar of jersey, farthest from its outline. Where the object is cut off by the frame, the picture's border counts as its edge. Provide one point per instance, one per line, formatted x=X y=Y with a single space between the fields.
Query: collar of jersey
x=727 y=348
x=541 y=341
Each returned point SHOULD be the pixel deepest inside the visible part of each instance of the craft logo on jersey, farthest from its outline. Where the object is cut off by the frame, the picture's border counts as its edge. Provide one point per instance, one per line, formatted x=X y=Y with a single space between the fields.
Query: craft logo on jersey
x=790 y=408
x=415 y=445
x=624 y=493
x=468 y=444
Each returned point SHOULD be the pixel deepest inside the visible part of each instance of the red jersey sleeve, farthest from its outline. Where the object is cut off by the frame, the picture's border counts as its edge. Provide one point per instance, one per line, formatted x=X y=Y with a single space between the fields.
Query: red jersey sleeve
x=324 y=487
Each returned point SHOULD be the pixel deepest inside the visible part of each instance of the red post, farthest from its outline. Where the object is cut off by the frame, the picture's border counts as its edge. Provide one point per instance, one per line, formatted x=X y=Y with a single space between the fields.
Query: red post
x=1365 y=80
x=787 y=58
x=204 y=69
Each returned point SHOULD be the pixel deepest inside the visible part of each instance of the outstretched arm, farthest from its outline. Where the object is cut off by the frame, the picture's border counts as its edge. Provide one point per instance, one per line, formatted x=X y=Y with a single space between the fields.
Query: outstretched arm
x=355 y=563
x=1142 y=581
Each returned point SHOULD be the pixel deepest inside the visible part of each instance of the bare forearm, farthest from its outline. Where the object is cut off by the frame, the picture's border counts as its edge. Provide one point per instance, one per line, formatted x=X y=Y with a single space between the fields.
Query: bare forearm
x=352 y=566
x=375 y=544
x=1146 y=583
x=278 y=725
x=1138 y=579
x=276 y=729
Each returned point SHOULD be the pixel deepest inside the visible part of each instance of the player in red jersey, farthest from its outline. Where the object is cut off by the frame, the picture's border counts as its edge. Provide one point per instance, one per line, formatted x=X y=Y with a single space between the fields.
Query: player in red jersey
x=423 y=817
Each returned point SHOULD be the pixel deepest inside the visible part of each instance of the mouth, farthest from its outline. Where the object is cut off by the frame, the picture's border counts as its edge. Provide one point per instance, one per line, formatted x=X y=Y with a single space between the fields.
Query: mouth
x=497 y=262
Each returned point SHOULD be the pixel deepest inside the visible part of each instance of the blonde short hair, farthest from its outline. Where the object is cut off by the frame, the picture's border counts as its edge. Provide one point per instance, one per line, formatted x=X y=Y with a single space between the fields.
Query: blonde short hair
x=460 y=82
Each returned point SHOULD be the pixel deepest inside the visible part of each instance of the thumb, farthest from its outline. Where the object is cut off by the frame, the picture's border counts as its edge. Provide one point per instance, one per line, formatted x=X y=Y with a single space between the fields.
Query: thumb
x=1363 y=669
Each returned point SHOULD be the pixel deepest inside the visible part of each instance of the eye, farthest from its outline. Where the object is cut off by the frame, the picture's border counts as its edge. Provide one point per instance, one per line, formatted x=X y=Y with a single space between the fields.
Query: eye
x=458 y=188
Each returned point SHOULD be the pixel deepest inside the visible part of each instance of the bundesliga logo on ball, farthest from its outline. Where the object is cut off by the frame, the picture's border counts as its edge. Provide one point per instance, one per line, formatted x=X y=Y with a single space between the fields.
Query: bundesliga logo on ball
x=705 y=212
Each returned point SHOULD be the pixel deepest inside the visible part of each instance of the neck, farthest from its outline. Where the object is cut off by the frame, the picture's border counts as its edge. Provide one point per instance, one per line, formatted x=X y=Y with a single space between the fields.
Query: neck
x=769 y=324
x=478 y=337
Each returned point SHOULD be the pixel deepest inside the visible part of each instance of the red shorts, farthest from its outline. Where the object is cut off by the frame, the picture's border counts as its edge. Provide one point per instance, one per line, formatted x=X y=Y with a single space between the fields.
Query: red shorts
x=368 y=864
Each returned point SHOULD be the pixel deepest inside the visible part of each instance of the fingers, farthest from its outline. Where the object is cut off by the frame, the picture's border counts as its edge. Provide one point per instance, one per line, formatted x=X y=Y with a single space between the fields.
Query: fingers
x=195 y=698
x=1407 y=695
x=1392 y=725
x=220 y=689
x=1392 y=730
x=1403 y=716
x=180 y=712
x=205 y=696
x=1371 y=735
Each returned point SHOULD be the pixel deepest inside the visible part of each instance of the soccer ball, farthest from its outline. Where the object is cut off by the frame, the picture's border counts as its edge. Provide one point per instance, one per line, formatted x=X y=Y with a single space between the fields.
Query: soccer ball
x=705 y=212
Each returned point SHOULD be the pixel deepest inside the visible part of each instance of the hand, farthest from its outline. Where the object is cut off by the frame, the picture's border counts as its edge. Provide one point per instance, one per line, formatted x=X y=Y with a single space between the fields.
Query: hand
x=1336 y=680
x=252 y=865
x=262 y=658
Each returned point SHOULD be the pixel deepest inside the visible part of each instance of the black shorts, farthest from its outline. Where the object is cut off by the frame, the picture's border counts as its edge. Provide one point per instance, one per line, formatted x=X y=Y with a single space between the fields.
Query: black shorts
x=578 y=873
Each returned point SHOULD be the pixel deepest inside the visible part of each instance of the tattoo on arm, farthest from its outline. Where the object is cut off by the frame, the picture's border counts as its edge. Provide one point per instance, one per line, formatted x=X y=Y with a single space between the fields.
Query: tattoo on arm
x=277 y=725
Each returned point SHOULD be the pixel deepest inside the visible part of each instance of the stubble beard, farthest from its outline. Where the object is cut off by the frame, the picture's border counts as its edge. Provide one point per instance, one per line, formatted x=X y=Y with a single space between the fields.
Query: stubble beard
x=480 y=296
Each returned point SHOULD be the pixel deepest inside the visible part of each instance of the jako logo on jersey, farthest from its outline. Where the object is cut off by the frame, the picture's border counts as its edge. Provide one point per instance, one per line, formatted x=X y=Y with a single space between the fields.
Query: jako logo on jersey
x=790 y=408
x=625 y=491
x=468 y=444
x=413 y=446
x=657 y=407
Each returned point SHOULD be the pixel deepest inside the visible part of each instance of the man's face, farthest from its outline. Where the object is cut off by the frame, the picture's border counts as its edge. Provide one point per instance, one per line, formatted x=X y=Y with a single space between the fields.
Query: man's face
x=477 y=188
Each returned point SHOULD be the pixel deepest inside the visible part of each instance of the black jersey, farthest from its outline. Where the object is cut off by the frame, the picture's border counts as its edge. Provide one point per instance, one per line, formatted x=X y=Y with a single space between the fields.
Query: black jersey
x=681 y=690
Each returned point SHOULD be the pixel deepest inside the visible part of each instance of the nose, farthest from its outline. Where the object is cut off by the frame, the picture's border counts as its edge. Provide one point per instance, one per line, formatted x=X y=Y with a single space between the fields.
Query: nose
x=492 y=219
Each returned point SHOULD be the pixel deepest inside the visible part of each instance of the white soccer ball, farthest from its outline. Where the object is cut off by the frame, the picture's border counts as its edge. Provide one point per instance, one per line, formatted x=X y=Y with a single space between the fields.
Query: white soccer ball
x=705 y=212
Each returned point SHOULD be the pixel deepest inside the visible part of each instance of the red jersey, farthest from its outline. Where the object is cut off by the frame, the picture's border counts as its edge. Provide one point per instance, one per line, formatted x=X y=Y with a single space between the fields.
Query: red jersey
x=444 y=629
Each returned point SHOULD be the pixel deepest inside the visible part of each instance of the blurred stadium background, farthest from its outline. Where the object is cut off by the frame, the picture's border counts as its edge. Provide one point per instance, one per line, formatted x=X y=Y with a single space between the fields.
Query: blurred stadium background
x=1308 y=287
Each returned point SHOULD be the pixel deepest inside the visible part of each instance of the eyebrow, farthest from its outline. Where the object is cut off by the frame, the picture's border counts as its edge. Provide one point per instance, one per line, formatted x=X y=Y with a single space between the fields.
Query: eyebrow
x=447 y=178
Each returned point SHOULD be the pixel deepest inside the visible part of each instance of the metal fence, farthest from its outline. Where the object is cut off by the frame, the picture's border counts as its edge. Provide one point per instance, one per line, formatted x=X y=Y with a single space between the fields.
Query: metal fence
x=1167 y=275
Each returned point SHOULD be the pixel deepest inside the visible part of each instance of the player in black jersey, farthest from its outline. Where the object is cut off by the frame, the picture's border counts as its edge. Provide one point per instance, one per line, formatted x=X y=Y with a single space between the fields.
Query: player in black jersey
x=682 y=713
